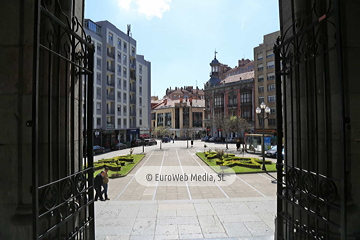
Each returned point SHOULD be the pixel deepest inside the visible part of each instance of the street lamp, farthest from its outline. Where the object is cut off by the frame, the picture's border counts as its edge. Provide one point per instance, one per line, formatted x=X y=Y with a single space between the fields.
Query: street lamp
x=260 y=111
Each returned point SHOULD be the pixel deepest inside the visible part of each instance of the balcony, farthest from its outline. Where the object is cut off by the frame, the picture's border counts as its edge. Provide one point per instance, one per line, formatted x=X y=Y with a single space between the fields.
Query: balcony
x=133 y=89
x=132 y=125
x=132 y=101
x=110 y=54
x=110 y=126
x=133 y=114
x=232 y=105
x=132 y=66
x=110 y=112
x=110 y=83
x=110 y=69
x=132 y=77
x=110 y=97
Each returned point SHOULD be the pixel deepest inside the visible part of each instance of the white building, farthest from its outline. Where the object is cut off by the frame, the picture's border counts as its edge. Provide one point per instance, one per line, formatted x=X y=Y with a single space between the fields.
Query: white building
x=122 y=85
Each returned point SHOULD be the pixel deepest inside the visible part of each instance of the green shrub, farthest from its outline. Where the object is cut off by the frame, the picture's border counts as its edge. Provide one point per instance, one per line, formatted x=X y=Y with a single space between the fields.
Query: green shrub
x=211 y=156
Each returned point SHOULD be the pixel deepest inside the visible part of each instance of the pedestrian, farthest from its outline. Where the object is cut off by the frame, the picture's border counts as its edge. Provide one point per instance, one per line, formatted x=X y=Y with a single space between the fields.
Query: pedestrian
x=237 y=145
x=98 y=182
x=105 y=184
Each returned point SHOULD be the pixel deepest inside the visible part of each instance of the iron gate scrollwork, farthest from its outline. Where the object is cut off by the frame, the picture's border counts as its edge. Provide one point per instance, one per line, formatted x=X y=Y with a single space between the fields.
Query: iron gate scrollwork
x=311 y=191
x=62 y=123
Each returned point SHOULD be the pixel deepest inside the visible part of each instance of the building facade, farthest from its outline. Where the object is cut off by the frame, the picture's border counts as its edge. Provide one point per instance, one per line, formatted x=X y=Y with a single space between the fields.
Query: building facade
x=232 y=96
x=264 y=84
x=182 y=118
x=184 y=92
x=122 y=85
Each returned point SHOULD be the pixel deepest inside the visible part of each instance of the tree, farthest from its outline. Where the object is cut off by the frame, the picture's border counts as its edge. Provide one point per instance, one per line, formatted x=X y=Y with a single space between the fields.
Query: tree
x=161 y=131
x=238 y=125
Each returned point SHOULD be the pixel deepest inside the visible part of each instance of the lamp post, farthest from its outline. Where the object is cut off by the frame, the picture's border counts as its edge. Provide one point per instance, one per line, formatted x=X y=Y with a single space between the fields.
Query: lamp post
x=260 y=111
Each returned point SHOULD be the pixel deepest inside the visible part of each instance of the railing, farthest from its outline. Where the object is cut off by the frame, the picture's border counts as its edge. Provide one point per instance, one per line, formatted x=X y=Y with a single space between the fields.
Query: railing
x=133 y=66
x=133 y=89
x=133 y=114
x=110 y=54
x=133 y=101
x=110 y=97
x=110 y=112
x=110 y=69
x=111 y=83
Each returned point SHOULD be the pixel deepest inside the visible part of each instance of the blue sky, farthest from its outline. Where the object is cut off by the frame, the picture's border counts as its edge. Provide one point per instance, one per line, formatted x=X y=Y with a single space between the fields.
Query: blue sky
x=179 y=37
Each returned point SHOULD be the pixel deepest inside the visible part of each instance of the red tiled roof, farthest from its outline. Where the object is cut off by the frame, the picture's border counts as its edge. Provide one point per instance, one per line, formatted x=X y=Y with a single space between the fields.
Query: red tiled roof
x=236 y=78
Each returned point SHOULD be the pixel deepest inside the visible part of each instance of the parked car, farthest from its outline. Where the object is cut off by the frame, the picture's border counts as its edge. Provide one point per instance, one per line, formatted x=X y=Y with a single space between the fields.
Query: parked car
x=165 y=140
x=119 y=146
x=212 y=139
x=271 y=152
x=97 y=149
x=150 y=142
x=205 y=139
x=138 y=142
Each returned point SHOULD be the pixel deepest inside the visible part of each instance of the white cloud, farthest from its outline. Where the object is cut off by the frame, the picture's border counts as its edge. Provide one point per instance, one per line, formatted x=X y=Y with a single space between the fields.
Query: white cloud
x=124 y=4
x=153 y=8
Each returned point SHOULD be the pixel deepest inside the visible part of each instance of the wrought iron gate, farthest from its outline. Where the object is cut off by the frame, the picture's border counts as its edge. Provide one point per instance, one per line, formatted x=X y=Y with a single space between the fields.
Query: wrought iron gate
x=311 y=189
x=62 y=123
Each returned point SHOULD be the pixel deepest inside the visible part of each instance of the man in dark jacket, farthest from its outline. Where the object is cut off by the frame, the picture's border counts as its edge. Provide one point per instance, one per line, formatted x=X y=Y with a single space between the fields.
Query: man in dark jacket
x=98 y=182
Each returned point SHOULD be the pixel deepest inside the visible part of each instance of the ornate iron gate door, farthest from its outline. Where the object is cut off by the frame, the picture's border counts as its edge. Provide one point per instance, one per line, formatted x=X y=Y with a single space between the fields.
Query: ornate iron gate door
x=311 y=189
x=62 y=123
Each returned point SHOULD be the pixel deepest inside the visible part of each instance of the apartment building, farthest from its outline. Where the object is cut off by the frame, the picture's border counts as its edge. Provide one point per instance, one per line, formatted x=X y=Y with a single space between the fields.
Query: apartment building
x=122 y=85
x=264 y=84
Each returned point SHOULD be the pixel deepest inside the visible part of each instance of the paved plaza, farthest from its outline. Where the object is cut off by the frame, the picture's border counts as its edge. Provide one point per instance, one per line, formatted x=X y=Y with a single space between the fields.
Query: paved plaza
x=242 y=209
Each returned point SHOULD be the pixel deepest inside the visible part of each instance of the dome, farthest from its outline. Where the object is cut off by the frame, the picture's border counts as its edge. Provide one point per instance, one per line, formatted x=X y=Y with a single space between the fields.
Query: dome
x=214 y=81
x=214 y=61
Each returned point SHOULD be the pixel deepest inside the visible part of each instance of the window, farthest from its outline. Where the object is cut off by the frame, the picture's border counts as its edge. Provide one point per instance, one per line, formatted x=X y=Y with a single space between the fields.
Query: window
x=260 y=56
x=140 y=101
x=124 y=84
x=160 y=119
x=261 y=100
x=119 y=56
x=119 y=42
x=271 y=98
x=261 y=121
x=140 y=79
x=168 y=119
x=125 y=97
x=119 y=108
x=272 y=110
x=271 y=87
x=132 y=50
x=261 y=89
x=125 y=123
x=124 y=71
x=140 y=68
x=110 y=36
x=98 y=78
x=98 y=91
x=98 y=62
x=271 y=76
x=124 y=59
x=260 y=67
x=119 y=68
x=271 y=121
x=140 y=112
x=98 y=106
x=260 y=78
x=125 y=46
x=119 y=83
x=98 y=47
x=124 y=110
x=119 y=122
x=269 y=53
x=140 y=90
x=98 y=121
x=270 y=64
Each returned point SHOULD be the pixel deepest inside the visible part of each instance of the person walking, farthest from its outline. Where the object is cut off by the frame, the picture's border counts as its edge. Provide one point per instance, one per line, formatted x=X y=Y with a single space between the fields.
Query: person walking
x=237 y=145
x=98 y=182
x=105 y=184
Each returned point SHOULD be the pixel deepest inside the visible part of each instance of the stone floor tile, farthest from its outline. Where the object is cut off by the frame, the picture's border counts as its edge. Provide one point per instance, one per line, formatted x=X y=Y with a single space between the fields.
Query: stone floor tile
x=236 y=230
x=191 y=236
x=166 y=230
x=189 y=228
x=160 y=237
x=259 y=228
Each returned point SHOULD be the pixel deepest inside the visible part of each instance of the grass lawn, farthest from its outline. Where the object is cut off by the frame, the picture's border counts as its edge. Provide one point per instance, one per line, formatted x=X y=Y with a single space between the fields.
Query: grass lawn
x=237 y=169
x=124 y=169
